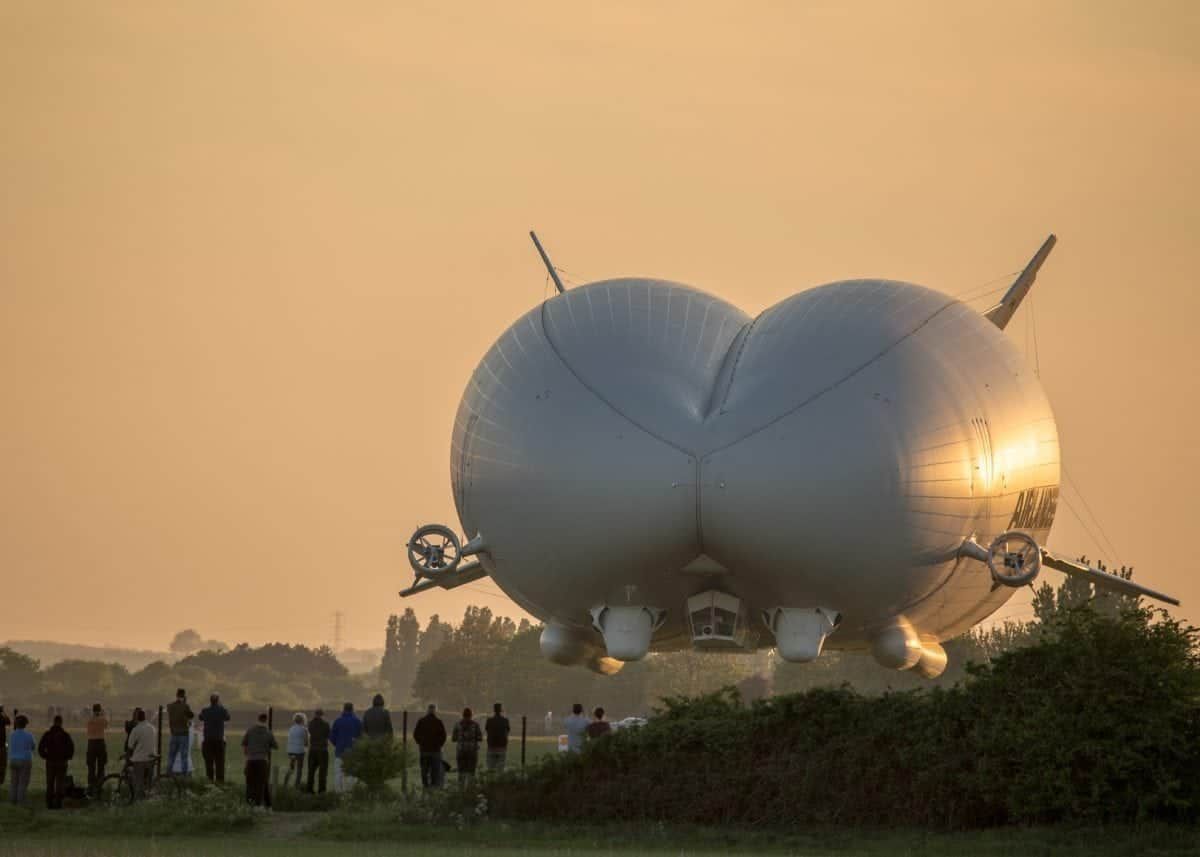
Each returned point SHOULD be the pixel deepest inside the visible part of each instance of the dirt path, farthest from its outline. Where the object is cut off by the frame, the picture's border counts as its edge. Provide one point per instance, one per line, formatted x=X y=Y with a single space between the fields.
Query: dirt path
x=287 y=825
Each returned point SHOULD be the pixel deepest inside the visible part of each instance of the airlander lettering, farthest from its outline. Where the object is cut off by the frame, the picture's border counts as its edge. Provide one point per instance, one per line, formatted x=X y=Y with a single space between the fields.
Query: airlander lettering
x=703 y=478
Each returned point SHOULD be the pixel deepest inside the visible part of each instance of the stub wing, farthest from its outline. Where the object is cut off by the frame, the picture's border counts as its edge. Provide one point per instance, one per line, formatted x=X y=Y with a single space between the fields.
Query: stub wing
x=1001 y=314
x=465 y=573
x=1103 y=579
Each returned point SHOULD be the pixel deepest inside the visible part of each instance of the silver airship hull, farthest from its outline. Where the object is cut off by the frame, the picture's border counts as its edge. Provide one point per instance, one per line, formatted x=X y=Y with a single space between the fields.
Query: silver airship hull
x=638 y=443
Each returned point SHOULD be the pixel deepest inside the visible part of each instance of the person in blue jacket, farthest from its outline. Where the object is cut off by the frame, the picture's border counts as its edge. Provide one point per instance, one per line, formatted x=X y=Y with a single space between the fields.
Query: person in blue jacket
x=21 y=748
x=342 y=735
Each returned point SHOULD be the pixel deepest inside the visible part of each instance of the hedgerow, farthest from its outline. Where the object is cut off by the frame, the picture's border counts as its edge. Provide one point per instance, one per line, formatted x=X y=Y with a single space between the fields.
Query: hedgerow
x=1095 y=723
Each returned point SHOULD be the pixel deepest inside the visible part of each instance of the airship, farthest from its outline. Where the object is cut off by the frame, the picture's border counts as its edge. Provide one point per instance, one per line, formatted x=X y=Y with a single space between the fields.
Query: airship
x=866 y=465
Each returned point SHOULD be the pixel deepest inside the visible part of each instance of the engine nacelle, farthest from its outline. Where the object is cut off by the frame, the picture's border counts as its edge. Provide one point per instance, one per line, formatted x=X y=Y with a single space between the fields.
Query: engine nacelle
x=800 y=632
x=627 y=630
x=897 y=646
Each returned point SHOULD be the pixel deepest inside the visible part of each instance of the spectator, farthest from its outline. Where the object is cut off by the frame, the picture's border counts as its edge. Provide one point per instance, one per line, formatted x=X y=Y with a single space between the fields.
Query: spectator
x=257 y=744
x=97 y=747
x=297 y=744
x=57 y=748
x=497 y=730
x=4 y=724
x=377 y=721
x=20 y=759
x=142 y=748
x=212 y=747
x=344 y=732
x=468 y=736
x=129 y=724
x=179 y=718
x=430 y=737
x=599 y=726
x=318 y=750
x=576 y=725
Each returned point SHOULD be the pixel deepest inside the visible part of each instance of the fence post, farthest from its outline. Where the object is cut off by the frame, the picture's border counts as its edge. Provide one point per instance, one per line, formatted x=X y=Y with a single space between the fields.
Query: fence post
x=158 y=764
x=404 y=745
x=524 y=725
x=273 y=775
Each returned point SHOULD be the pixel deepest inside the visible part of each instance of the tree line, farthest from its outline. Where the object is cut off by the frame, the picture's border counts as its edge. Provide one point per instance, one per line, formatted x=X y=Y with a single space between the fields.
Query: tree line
x=487 y=658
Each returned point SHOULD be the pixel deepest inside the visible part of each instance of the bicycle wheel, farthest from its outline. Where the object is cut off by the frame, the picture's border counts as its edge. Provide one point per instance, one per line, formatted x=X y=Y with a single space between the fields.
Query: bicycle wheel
x=115 y=790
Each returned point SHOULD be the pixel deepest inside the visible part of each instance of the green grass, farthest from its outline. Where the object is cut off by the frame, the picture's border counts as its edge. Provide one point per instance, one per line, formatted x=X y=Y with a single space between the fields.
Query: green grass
x=235 y=761
x=548 y=841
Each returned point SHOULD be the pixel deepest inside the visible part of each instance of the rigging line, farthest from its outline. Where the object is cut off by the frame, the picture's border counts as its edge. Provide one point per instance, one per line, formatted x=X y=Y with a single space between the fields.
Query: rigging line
x=1002 y=277
x=1086 y=528
x=1037 y=362
x=1095 y=518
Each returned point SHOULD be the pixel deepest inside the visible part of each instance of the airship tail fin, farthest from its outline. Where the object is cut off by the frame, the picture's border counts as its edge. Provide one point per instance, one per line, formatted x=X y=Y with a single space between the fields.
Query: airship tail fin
x=1002 y=313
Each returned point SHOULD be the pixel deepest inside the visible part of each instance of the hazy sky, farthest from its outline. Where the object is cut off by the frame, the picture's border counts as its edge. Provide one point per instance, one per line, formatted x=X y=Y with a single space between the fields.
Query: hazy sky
x=250 y=253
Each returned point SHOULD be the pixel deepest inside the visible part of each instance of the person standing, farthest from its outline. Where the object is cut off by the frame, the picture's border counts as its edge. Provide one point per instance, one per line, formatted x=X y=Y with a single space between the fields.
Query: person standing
x=97 y=747
x=468 y=736
x=497 y=730
x=318 y=750
x=212 y=745
x=20 y=759
x=576 y=725
x=599 y=726
x=430 y=737
x=57 y=748
x=257 y=744
x=142 y=747
x=179 y=718
x=4 y=724
x=344 y=732
x=297 y=745
x=377 y=721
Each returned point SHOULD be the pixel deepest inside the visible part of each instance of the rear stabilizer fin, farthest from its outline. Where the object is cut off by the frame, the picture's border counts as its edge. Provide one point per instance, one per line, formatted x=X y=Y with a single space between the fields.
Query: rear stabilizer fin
x=1001 y=314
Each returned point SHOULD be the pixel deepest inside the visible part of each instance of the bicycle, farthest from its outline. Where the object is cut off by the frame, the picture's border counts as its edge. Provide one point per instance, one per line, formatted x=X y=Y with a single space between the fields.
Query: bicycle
x=117 y=789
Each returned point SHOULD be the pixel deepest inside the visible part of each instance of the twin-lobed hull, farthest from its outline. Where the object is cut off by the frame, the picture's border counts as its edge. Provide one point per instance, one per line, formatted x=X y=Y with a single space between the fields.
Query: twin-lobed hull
x=638 y=442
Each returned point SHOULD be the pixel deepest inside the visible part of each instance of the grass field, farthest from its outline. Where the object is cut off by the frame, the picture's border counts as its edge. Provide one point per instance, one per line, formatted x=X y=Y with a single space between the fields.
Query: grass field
x=234 y=761
x=288 y=839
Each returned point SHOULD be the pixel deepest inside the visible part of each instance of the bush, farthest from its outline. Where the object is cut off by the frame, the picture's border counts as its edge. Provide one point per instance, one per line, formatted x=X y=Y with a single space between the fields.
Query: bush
x=1095 y=722
x=374 y=761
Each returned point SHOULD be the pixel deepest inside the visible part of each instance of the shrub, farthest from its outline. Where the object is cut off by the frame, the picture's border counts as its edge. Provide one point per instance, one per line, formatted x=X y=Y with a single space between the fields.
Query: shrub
x=1094 y=722
x=374 y=761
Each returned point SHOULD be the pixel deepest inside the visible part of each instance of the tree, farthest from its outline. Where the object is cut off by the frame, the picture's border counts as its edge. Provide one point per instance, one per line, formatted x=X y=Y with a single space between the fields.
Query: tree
x=431 y=639
x=187 y=641
x=86 y=678
x=20 y=675
x=400 y=656
x=462 y=671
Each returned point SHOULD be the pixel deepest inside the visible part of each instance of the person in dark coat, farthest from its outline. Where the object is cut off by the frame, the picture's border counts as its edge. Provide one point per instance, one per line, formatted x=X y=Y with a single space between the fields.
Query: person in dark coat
x=57 y=748
x=257 y=744
x=318 y=750
x=496 y=727
x=430 y=735
x=468 y=736
x=4 y=724
x=377 y=721
x=212 y=747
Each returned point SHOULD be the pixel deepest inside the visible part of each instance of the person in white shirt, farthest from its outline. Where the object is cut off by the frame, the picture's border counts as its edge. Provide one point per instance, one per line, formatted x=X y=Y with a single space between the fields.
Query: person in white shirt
x=576 y=725
x=297 y=746
x=143 y=751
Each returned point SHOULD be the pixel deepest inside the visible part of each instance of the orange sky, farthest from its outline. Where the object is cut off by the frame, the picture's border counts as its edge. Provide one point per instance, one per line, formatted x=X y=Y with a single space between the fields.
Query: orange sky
x=252 y=251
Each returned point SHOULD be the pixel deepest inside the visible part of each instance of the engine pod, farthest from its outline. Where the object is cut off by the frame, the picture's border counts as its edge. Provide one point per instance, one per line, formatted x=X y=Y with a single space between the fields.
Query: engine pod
x=800 y=632
x=627 y=630
x=897 y=646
